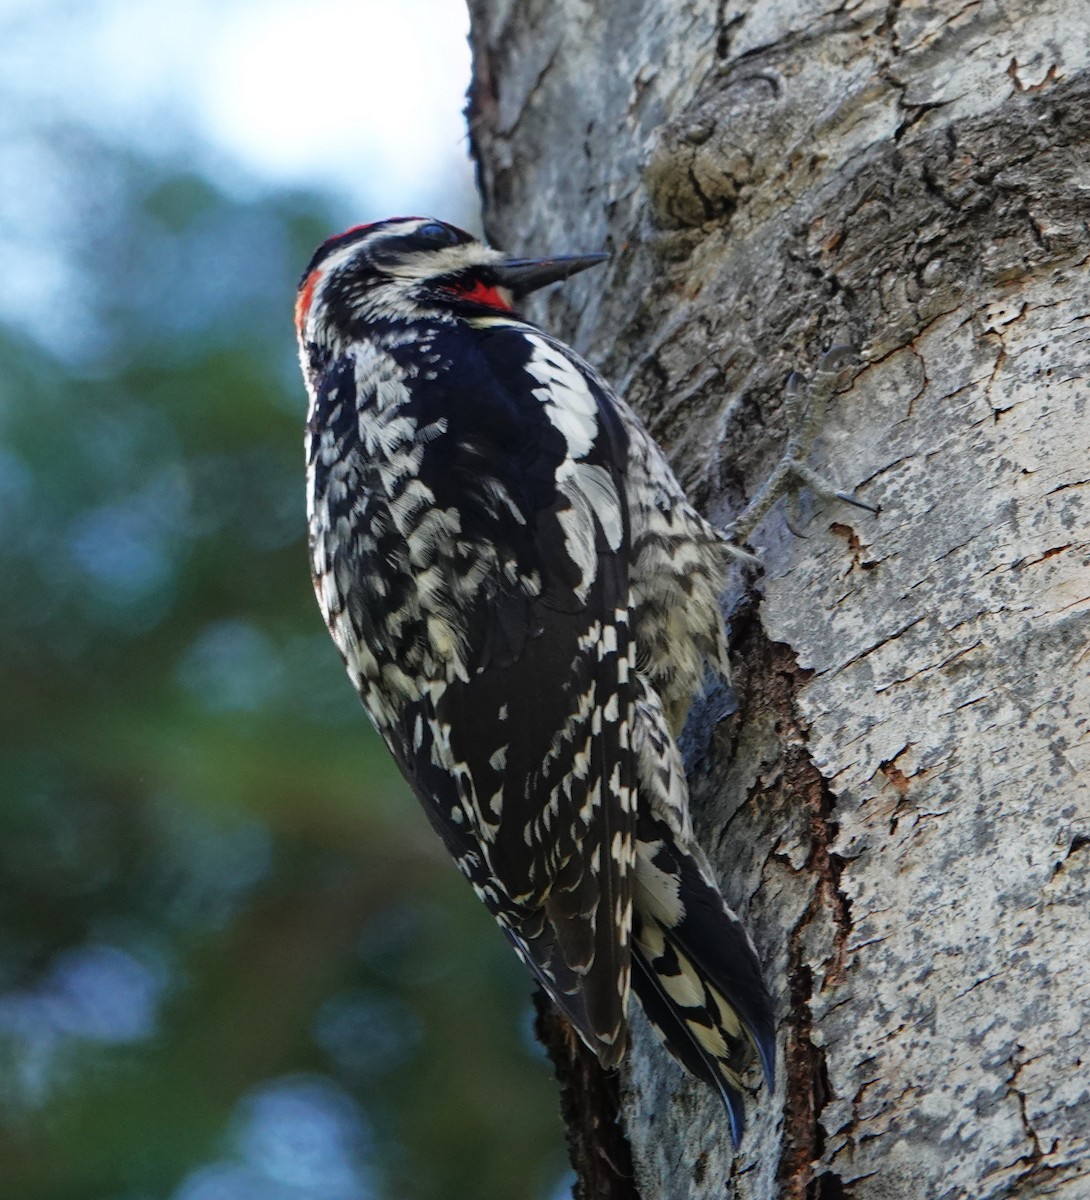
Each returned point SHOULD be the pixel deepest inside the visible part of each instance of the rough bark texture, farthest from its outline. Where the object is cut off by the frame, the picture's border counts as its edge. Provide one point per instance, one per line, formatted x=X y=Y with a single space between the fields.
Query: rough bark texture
x=590 y=1107
x=899 y=802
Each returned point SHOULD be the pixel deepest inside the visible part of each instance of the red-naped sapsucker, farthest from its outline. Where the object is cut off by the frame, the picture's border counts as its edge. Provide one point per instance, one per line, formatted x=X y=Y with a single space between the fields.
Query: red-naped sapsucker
x=527 y=604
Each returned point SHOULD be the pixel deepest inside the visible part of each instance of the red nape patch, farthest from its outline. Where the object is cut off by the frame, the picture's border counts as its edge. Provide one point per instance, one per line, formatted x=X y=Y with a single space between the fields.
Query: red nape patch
x=302 y=301
x=481 y=293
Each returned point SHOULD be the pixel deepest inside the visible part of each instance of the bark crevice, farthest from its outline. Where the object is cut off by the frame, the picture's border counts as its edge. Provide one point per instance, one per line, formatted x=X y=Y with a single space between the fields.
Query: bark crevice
x=590 y=1107
x=771 y=679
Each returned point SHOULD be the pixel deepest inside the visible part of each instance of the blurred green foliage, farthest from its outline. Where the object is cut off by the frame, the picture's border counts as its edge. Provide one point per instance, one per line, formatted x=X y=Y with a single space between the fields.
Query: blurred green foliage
x=235 y=963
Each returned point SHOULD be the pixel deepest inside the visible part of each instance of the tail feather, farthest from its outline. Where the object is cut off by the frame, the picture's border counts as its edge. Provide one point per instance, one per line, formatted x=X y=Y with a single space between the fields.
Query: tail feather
x=698 y=975
x=715 y=943
x=685 y=1046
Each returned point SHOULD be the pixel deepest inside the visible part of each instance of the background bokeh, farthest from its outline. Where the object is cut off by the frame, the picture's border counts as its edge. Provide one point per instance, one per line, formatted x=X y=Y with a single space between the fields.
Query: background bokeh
x=235 y=963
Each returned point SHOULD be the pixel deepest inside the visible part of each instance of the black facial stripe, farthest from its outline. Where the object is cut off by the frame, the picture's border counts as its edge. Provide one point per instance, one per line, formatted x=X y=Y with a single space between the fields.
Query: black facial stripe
x=438 y=234
x=433 y=235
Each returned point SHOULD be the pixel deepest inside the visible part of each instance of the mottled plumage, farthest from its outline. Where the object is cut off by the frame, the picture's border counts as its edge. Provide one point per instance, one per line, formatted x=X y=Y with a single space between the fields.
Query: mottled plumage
x=527 y=604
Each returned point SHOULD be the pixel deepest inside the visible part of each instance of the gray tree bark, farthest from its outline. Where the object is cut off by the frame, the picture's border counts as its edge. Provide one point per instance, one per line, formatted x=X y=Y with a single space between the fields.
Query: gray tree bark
x=898 y=803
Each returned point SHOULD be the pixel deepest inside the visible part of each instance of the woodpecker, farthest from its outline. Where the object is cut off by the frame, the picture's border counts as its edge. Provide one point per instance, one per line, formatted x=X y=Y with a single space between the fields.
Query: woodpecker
x=527 y=604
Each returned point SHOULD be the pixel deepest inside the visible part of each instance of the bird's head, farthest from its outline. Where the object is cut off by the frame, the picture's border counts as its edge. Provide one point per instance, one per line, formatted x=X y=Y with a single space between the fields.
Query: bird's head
x=409 y=266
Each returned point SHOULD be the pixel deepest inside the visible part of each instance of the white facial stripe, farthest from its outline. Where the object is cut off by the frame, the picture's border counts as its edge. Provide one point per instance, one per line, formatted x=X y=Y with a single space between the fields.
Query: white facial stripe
x=437 y=262
x=422 y=265
x=418 y=265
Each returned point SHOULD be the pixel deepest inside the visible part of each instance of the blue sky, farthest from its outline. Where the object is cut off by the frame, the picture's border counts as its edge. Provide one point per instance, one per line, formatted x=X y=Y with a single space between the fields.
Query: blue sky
x=359 y=99
x=358 y=96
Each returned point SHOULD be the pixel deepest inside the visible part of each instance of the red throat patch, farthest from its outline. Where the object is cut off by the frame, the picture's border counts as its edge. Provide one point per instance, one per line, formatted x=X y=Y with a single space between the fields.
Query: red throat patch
x=481 y=293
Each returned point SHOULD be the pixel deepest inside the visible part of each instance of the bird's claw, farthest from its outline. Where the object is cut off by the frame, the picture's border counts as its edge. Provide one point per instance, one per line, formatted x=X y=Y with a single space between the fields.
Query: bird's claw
x=805 y=403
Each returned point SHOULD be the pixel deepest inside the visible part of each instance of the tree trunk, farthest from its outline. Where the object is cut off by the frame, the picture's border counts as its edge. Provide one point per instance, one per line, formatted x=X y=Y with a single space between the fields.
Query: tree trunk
x=897 y=795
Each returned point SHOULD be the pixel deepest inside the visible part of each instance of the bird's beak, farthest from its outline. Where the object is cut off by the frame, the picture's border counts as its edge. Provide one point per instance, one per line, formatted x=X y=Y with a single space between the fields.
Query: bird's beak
x=524 y=275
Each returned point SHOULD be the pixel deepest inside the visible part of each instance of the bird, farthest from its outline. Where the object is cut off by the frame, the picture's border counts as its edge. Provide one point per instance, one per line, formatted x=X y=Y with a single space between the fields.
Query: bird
x=527 y=604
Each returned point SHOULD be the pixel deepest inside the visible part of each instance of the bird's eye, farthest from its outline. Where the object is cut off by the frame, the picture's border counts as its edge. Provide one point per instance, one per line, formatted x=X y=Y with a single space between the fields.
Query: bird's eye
x=436 y=234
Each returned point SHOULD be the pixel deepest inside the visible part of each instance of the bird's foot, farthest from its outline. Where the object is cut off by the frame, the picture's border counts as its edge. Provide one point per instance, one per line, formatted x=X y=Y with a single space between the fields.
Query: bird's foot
x=805 y=404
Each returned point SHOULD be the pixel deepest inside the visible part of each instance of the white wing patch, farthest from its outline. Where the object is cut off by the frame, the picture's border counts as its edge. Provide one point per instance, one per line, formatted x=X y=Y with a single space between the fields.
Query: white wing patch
x=595 y=490
x=589 y=489
x=568 y=400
